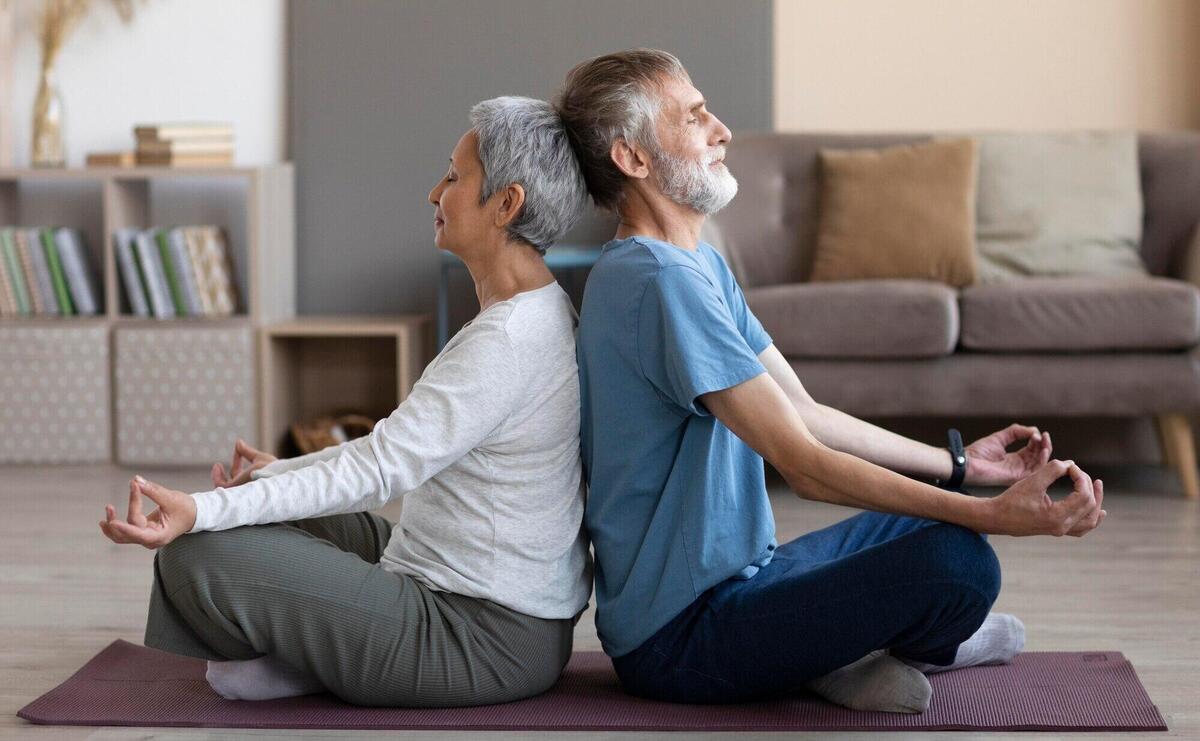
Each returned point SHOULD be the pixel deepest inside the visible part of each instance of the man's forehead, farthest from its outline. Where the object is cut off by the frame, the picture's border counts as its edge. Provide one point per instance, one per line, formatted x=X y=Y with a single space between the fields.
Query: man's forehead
x=682 y=94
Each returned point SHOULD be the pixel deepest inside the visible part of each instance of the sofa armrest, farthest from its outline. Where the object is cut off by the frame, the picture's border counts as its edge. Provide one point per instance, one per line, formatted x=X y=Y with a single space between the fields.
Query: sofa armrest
x=1190 y=265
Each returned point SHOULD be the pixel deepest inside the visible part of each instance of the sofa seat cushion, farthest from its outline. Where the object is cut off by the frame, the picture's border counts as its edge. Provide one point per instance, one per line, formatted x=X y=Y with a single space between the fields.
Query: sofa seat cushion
x=1081 y=315
x=859 y=319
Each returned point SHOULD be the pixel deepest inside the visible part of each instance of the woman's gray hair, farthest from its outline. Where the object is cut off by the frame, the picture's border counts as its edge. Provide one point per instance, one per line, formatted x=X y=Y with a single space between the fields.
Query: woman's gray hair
x=523 y=141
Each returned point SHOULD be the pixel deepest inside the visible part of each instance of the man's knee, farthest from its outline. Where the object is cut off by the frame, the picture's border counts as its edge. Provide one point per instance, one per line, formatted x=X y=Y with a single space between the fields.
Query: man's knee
x=965 y=557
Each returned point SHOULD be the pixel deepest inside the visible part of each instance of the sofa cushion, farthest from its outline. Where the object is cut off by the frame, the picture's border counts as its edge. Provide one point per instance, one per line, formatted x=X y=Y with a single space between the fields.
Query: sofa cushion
x=859 y=319
x=905 y=211
x=1081 y=314
x=1058 y=204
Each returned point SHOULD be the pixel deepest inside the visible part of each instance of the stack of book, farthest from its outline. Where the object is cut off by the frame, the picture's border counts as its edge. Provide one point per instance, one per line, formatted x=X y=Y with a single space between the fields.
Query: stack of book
x=178 y=271
x=45 y=271
x=185 y=144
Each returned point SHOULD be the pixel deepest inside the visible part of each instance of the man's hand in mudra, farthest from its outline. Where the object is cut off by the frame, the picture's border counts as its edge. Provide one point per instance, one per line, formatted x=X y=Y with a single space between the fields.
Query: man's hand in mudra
x=176 y=515
x=238 y=475
x=990 y=464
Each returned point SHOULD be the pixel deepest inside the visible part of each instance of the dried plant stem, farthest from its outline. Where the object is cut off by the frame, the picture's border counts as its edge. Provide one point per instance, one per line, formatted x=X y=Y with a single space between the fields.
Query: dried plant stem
x=59 y=18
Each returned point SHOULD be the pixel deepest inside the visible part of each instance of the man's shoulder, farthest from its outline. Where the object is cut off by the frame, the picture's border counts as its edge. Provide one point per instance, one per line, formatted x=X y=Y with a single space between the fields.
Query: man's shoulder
x=639 y=259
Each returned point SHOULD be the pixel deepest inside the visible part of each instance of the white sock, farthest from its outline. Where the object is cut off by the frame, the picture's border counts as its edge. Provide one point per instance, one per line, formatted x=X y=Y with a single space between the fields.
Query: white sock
x=998 y=640
x=264 y=678
x=877 y=681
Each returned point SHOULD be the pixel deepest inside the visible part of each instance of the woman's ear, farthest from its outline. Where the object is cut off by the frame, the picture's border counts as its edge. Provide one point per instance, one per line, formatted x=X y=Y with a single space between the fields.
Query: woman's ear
x=512 y=199
x=632 y=160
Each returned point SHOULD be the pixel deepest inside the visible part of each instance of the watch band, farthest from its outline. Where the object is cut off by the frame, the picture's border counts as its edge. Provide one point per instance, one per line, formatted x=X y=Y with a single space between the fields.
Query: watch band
x=958 y=458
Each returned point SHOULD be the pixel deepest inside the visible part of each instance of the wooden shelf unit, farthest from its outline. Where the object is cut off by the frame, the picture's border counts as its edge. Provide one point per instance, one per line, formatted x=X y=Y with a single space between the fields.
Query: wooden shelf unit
x=316 y=365
x=254 y=205
x=256 y=208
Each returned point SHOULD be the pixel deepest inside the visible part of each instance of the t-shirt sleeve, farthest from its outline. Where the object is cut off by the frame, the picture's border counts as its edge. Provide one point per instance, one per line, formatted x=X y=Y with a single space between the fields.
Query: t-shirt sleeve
x=689 y=342
x=748 y=325
x=450 y=411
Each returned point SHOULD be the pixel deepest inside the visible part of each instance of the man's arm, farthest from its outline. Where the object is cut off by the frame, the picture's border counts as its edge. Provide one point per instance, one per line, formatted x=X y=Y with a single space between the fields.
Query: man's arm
x=759 y=413
x=846 y=433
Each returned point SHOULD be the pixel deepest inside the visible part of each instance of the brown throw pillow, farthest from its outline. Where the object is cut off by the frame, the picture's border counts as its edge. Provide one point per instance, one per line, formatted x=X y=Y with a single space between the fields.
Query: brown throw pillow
x=904 y=211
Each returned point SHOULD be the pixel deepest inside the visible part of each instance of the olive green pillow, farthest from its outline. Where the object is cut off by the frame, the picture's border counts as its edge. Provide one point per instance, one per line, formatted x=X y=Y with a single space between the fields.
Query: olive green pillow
x=905 y=211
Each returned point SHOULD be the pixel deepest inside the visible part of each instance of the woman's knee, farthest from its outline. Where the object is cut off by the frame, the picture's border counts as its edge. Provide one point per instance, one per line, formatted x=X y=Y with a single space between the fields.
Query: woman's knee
x=190 y=557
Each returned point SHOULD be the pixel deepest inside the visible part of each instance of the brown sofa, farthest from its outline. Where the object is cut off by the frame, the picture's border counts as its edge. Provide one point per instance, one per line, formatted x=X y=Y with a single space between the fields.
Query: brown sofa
x=1066 y=347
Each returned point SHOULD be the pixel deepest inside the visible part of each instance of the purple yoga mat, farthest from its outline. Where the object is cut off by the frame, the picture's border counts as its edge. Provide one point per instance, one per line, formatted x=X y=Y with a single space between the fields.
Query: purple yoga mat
x=130 y=685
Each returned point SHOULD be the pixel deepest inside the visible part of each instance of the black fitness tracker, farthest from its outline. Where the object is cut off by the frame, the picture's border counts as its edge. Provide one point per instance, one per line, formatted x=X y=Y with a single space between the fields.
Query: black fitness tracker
x=958 y=458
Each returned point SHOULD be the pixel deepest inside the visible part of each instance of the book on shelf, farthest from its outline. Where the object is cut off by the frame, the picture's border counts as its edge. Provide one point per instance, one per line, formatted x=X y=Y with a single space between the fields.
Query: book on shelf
x=79 y=272
x=8 y=300
x=57 y=276
x=111 y=159
x=189 y=292
x=29 y=268
x=156 y=280
x=171 y=270
x=185 y=146
x=183 y=130
x=46 y=271
x=29 y=240
x=178 y=271
x=16 y=276
x=131 y=271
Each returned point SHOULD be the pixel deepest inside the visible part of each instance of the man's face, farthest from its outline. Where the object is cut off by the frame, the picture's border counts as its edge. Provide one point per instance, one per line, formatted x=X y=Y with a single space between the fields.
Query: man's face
x=690 y=164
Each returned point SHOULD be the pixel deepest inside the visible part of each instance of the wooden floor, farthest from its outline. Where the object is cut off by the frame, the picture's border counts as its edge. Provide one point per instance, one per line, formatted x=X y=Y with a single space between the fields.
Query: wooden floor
x=1133 y=586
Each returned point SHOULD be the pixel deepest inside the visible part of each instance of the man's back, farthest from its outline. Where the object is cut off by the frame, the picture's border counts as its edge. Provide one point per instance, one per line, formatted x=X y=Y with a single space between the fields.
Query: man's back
x=677 y=503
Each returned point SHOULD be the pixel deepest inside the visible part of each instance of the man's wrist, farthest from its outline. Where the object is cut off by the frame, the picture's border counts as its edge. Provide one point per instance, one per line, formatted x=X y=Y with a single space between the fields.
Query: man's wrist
x=958 y=462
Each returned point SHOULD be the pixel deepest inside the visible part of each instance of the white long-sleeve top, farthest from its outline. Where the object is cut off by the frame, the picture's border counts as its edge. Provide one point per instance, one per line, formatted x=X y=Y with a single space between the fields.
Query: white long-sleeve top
x=485 y=451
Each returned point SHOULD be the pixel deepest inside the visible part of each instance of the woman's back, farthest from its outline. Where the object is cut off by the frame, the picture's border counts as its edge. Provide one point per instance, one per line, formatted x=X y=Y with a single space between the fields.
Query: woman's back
x=503 y=520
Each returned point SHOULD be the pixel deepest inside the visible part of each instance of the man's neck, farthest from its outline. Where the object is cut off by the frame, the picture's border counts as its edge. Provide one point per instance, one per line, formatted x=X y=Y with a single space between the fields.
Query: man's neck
x=651 y=214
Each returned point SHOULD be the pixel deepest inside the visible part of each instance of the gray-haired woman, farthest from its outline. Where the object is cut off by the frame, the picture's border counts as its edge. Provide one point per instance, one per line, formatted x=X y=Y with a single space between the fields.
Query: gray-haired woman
x=472 y=596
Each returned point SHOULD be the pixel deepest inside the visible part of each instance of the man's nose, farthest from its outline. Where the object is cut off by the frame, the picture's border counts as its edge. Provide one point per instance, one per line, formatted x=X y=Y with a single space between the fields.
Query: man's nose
x=723 y=133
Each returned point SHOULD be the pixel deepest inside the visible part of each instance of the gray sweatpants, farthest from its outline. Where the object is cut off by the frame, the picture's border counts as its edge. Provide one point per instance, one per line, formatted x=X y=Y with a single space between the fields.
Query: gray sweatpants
x=312 y=593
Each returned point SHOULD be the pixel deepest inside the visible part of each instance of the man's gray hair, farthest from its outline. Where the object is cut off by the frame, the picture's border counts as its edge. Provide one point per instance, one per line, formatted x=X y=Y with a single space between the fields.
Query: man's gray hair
x=523 y=141
x=611 y=97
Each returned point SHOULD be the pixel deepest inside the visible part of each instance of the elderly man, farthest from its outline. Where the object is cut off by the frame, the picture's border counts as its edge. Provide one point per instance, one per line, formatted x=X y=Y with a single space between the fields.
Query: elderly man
x=683 y=397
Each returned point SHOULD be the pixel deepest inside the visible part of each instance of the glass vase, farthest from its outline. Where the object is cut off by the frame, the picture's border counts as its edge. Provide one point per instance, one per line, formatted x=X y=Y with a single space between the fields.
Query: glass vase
x=48 y=123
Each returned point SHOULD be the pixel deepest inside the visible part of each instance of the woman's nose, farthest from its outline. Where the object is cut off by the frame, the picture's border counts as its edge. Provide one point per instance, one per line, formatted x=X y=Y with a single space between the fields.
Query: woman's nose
x=435 y=193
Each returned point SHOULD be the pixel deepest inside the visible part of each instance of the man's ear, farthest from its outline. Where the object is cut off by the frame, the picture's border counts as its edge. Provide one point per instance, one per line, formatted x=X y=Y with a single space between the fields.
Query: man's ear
x=632 y=160
x=512 y=199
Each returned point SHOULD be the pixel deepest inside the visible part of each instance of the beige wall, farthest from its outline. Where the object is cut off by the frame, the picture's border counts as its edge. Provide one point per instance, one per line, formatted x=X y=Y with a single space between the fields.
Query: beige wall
x=857 y=65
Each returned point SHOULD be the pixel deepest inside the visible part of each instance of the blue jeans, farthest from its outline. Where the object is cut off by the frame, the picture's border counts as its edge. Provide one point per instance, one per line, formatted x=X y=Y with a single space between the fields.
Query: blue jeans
x=918 y=587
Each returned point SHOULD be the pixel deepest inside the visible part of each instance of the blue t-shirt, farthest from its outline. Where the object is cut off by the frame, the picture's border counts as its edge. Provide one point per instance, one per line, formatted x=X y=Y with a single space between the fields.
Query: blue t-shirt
x=677 y=503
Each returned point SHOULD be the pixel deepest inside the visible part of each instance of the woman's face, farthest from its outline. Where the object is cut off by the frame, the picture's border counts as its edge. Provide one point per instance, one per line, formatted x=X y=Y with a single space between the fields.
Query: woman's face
x=459 y=221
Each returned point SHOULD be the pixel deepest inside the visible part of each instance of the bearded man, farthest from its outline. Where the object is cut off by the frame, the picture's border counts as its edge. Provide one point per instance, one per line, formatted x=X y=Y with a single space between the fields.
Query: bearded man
x=683 y=397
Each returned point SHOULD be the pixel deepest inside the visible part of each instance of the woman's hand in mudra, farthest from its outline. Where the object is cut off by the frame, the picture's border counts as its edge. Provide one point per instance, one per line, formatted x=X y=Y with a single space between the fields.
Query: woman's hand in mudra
x=237 y=474
x=176 y=515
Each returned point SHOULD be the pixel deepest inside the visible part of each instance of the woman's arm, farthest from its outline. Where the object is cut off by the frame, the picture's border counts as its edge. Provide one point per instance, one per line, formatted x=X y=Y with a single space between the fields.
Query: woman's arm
x=283 y=465
x=450 y=411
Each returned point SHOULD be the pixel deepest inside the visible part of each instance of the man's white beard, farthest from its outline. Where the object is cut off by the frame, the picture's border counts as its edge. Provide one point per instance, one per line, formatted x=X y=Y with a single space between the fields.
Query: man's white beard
x=694 y=183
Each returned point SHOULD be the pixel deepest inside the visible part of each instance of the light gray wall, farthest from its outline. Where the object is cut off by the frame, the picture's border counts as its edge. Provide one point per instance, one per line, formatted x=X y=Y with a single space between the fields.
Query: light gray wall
x=379 y=94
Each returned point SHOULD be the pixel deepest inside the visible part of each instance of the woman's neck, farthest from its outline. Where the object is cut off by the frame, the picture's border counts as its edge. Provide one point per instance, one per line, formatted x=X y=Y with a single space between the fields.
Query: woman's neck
x=506 y=270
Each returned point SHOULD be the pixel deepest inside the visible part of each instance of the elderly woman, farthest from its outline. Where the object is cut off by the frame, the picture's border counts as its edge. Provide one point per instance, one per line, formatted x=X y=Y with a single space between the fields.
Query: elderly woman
x=472 y=596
